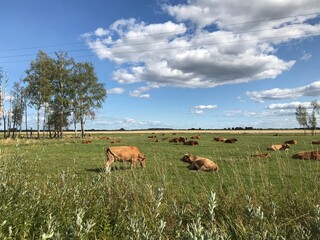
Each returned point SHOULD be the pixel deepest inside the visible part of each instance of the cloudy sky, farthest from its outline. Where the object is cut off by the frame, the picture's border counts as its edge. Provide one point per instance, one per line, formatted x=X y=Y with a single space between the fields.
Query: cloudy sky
x=178 y=63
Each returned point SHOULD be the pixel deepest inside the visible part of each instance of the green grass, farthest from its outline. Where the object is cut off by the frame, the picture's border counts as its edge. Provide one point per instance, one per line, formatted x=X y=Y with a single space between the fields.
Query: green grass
x=57 y=188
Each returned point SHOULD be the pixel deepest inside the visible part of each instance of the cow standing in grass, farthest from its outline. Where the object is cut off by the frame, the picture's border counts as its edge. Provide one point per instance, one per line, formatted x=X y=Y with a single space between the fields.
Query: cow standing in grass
x=124 y=153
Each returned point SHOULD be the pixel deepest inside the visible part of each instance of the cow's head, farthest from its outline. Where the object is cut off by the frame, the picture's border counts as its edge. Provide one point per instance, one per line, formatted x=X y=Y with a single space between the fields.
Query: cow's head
x=142 y=161
x=186 y=158
x=285 y=146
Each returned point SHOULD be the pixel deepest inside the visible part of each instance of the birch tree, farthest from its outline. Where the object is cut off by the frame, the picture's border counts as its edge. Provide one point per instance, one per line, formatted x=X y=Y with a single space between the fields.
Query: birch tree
x=87 y=93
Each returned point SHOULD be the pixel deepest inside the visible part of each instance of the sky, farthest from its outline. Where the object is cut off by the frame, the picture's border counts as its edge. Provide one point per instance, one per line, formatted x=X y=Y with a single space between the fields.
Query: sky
x=179 y=64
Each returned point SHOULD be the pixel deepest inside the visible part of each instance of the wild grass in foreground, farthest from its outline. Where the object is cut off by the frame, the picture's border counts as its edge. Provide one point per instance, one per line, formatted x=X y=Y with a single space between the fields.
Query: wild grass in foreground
x=275 y=198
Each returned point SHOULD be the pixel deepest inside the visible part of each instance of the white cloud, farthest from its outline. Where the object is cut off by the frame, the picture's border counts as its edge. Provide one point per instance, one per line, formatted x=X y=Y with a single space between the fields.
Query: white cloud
x=310 y=90
x=291 y=105
x=170 y=54
x=127 y=123
x=203 y=108
x=100 y=32
x=116 y=91
x=139 y=92
x=306 y=56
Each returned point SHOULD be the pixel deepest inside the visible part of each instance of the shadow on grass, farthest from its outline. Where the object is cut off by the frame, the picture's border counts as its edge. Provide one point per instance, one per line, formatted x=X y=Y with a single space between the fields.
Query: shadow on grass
x=101 y=170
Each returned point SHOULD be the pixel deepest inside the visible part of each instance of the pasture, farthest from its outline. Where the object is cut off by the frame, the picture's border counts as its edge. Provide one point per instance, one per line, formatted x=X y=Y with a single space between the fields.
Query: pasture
x=57 y=189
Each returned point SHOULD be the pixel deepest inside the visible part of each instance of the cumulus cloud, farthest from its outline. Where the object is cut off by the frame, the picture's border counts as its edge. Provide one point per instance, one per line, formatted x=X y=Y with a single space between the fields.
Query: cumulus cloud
x=217 y=51
x=116 y=91
x=203 y=108
x=291 y=105
x=310 y=90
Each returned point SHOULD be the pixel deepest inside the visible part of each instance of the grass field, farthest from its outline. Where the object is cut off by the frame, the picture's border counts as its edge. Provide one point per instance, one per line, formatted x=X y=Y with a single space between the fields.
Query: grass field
x=57 y=189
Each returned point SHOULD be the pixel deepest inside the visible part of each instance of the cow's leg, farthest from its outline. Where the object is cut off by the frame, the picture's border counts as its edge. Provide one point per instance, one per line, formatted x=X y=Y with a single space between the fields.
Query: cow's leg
x=109 y=161
x=133 y=163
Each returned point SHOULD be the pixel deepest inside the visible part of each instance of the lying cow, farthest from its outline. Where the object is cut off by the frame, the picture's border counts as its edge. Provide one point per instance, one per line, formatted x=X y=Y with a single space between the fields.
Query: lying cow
x=195 y=137
x=291 y=142
x=231 y=140
x=124 y=153
x=278 y=147
x=199 y=163
x=191 y=142
x=314 y=155
x=315 y=142
x=218 y=139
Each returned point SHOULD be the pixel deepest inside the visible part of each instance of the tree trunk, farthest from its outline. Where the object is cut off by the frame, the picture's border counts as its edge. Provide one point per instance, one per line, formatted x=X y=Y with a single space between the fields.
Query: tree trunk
x=4 y=127
x=44 y=120
x=75 y=125
x=26 y=119
x=38 y=122
x=82 y=127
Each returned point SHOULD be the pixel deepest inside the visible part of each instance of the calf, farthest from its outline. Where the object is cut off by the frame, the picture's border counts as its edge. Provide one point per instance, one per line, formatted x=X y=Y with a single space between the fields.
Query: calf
x=124 y=153
x=278 y=147
x=199 y=163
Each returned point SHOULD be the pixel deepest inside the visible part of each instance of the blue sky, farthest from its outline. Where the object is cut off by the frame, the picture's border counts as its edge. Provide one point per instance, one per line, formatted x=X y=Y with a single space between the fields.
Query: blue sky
x=177 y=64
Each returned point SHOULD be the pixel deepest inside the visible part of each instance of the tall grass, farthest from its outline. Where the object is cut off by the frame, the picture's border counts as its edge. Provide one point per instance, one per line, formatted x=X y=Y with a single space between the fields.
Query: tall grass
x=247 y=199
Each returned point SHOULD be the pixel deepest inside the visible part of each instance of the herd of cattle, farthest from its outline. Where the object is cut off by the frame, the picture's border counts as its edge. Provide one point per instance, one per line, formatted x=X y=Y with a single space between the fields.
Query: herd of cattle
x=133 y=155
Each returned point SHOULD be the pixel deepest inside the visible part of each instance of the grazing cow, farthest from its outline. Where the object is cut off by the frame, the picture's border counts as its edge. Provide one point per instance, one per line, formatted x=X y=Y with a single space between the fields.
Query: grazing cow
x=315 y=142
x=291 y=142
x=191 y=142
x=124 y=153
x=231 y=140
x=314 y=155
x=261 y=155
x=278 y=147
x=199 y=163
x=195 y=137
x=220 y=139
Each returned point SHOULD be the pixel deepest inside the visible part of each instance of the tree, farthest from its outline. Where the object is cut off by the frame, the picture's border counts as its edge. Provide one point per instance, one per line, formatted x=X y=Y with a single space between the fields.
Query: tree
x=38 y=79
x=62 y=87
x=301 y=116
x=313 y=117
x=308 y=120
x=87 y=94
x=3 y=112
x=17 y=106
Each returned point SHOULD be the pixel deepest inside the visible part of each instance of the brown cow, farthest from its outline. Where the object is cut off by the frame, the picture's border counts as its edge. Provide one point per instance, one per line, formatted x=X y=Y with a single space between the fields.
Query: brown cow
x=86 y=142
x=278 y=147
x=178 y=140
x=291 y=142
x=261 y=155
x=152 y=136
x=231 y=140
x=220 y=139
x=195 y=137
x=191 y=142
x=314 y=155
x=199 y=163
x=124 y=153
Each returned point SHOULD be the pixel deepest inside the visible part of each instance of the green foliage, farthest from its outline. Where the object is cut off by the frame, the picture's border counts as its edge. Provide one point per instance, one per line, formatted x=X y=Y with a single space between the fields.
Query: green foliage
x=57 y=189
